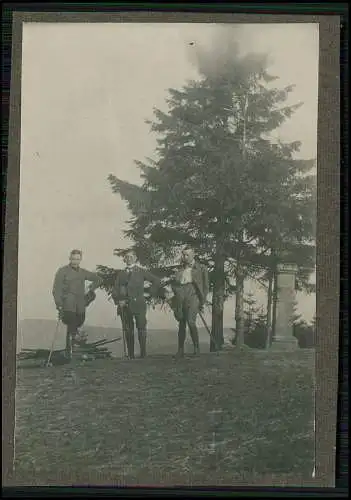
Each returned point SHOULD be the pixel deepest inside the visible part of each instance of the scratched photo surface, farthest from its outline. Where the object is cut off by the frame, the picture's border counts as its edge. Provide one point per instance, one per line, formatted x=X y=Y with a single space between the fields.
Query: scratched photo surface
x=176 y=347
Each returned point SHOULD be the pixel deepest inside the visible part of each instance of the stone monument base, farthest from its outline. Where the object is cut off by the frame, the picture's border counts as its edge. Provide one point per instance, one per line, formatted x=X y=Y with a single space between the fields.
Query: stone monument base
x=284 y=344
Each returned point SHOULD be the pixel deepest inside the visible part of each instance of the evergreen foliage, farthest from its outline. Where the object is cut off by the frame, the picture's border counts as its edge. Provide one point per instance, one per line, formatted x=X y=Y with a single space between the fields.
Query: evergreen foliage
x=221 y=184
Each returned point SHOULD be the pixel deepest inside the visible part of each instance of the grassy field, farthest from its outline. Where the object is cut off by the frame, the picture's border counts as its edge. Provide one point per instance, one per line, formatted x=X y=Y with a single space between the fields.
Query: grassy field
x=148 y=422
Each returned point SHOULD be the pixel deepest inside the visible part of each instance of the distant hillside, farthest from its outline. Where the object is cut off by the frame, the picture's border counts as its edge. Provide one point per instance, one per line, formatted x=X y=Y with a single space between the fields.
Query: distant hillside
x=34 y=332
x=38 y=333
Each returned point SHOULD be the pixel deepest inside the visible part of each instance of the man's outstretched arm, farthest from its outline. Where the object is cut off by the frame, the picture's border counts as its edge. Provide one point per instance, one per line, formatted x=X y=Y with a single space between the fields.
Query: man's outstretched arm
x=94 y=278
x=157 y=288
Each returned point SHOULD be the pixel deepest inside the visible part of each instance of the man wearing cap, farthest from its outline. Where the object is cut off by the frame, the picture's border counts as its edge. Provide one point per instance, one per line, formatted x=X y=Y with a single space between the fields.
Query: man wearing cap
x=188 y=294
x=128 y=295
x=70 y=298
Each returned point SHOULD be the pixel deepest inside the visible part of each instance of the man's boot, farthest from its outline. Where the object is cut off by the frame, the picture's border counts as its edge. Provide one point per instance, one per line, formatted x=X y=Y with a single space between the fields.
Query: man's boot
x=130 y=344
x=196 y=351
x=180 y=353
x=69 y=346
x=195 y=338
x=181 y=339
x=142 y=342
x=131 y=354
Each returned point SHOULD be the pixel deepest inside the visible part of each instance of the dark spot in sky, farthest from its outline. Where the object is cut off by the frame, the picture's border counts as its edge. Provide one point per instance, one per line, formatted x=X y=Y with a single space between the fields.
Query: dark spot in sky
x=191 y=43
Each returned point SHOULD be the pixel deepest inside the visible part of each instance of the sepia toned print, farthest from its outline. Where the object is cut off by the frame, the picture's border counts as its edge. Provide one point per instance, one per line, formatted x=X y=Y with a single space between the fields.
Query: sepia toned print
x=201 y=235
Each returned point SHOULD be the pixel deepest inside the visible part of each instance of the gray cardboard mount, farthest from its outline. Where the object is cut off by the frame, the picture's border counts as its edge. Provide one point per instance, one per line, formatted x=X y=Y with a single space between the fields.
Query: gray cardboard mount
x=328 y=215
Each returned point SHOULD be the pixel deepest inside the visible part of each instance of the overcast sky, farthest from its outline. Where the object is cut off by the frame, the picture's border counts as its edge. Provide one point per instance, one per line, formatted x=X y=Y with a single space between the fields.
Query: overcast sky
x=86 y=91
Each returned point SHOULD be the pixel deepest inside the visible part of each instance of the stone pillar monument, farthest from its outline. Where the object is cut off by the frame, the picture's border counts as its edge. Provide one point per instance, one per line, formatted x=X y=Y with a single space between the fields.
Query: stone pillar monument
x=284 y=338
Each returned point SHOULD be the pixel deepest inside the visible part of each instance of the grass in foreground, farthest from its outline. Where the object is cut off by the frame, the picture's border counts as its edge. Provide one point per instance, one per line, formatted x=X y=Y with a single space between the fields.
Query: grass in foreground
x=147 y=422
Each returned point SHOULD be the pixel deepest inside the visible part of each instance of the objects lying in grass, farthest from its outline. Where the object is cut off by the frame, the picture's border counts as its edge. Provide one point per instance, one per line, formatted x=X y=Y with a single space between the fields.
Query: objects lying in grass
x=82 y=351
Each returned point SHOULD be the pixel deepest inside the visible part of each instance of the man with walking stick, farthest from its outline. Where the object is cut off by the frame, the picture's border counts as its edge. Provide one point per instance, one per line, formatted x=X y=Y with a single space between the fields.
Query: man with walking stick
x=190 y=287
x=70 y=297
x=128 y=295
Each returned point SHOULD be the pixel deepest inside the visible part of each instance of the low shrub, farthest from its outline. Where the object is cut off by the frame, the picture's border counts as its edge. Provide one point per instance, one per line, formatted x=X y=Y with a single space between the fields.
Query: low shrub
x=305 y=334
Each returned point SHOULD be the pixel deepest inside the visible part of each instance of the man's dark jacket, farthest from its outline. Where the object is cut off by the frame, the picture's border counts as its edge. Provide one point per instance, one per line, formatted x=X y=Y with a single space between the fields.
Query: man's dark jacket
x=69 y=288
x=131 y=287
x=200 y=281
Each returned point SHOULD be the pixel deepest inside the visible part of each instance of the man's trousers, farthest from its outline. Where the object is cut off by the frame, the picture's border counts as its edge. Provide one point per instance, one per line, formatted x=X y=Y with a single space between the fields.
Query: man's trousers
x=129 y=320
x=188 y=307
x=73 y=321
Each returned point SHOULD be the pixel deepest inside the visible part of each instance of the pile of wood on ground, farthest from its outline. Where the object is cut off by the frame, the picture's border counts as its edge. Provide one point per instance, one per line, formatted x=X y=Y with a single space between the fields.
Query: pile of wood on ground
x=82 y=351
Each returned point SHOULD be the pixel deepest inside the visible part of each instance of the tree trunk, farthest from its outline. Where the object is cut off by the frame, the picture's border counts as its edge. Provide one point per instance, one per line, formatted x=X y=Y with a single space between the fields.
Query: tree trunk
x=269 y=310
x=218 y=303
x=239 y=306
x=239 y=295
x=275 y=300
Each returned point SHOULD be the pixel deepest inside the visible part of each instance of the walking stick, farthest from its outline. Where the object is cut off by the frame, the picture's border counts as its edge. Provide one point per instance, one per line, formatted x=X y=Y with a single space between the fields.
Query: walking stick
x=208 y=330
x=123 y=332
x=204 y=321
x=53 y=342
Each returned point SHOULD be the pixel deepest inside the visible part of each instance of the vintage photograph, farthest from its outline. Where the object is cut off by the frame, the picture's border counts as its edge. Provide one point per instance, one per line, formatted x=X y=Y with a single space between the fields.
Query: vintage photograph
x=167 y=254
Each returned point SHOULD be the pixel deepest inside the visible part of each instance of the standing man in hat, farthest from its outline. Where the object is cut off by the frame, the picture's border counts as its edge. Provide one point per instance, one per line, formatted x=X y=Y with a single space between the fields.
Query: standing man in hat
x=190 y=287
x=128 y=295
x=70 y=297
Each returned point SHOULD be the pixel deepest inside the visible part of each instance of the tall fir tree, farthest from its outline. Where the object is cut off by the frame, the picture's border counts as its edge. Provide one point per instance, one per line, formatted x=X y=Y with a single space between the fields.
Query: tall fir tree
x=220 y=184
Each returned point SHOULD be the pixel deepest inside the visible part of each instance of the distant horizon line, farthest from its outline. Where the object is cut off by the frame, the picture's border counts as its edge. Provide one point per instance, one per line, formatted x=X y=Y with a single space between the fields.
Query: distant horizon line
x=108 y=327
